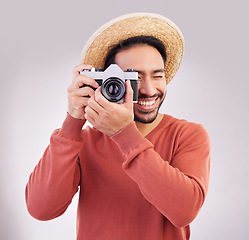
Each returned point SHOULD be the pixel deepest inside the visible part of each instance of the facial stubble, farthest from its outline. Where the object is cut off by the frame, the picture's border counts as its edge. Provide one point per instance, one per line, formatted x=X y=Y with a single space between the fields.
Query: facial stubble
x=142 y=119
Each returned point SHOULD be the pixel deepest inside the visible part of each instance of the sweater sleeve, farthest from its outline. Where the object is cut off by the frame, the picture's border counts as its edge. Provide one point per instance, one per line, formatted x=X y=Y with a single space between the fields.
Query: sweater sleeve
x=176 y=187
x=56 y=177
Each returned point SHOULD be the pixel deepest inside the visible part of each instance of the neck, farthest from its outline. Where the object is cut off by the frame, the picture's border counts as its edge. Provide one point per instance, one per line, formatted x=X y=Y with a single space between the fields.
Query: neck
x=146 y=128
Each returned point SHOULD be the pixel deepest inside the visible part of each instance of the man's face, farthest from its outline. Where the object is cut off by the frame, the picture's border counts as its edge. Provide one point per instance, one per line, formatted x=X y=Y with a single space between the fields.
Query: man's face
x=148 y=62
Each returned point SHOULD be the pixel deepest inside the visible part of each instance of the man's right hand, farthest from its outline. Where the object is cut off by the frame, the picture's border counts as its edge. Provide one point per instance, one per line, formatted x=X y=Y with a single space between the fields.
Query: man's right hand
x=78 y=96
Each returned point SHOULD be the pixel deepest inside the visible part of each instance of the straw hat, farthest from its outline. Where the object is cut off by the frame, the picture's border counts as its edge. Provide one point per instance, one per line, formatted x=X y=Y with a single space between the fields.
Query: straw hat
x=136 y=24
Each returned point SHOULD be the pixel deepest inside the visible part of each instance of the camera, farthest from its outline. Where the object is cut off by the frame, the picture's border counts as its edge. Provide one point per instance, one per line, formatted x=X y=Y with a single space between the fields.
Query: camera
x=112 y=82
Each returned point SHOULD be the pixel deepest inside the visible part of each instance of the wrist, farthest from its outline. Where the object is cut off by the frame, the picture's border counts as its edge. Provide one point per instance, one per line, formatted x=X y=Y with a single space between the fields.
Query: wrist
x=77 y=115
x=72 y=127
x=131 y=142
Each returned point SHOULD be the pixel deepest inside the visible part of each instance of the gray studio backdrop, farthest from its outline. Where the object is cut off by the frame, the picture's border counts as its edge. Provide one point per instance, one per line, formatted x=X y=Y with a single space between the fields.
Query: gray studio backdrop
x=41 y=42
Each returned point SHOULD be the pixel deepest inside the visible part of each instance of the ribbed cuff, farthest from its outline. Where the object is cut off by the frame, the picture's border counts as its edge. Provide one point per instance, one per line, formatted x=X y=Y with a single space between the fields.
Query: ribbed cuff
x=72 y=127
x=130 y=141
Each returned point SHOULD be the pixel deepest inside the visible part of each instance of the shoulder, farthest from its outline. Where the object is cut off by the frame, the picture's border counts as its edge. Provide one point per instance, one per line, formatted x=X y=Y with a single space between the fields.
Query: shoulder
x=184 y=129
x=182 y=124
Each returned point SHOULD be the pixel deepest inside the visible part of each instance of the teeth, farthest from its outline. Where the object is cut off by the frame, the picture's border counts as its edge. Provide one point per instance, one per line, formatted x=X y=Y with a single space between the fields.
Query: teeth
x=146 y=103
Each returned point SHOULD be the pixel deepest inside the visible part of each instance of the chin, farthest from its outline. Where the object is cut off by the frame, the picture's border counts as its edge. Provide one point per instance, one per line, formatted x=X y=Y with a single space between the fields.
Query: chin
x=146 y=118
x=143 y=116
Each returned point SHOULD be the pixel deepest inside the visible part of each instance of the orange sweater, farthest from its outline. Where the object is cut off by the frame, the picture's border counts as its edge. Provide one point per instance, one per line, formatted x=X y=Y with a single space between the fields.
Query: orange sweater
x=131 y=187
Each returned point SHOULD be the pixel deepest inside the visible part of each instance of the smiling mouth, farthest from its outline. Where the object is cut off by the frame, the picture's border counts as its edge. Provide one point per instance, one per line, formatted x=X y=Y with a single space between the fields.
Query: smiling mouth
x=147 y=103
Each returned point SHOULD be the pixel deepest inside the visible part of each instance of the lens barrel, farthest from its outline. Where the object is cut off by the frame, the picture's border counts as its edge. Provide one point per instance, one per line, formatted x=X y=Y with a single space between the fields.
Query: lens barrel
x=113 y=89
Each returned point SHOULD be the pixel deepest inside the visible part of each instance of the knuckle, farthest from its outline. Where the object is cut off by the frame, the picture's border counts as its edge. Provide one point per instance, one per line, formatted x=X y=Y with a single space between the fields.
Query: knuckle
x=87 y=110
x=98 y=98
x=90 y=102
x=74 y=69
x=69 y=89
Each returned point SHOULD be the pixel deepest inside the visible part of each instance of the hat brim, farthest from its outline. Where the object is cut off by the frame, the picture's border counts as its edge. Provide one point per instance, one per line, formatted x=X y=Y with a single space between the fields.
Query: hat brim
x=136 y=24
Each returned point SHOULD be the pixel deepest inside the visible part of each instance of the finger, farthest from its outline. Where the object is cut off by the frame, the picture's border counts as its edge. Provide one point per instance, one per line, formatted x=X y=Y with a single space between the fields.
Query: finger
x=79 y=79
x=89 y=119
x=79 y=68
x=77 y=100
x=95 y=105
x=100 y=99
x=91 y=114
x=84 y=92
x=82 y=80
x=81 y=92
x=78 y=104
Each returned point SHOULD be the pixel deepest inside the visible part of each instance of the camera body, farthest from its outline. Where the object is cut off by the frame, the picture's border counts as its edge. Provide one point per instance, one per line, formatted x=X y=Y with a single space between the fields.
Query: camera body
x=112 y=82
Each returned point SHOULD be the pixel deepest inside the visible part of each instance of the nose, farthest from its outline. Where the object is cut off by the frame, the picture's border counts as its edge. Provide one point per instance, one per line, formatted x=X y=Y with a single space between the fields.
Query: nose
x=146 y=87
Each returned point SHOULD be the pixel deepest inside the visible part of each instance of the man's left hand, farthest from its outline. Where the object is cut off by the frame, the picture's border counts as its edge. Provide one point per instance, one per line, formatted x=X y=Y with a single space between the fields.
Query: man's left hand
x=109 y=117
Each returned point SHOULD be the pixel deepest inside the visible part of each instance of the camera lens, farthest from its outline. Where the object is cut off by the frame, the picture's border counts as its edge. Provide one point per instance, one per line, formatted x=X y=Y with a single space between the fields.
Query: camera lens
x=113 y=89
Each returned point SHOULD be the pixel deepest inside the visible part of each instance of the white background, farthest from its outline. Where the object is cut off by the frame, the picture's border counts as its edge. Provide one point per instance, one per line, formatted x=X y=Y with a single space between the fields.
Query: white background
x=41 y=42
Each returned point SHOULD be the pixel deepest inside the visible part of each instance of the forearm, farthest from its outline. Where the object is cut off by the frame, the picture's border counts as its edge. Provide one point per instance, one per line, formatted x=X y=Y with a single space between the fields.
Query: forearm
x=176 y=192
x=56 y=177
x=177 y=196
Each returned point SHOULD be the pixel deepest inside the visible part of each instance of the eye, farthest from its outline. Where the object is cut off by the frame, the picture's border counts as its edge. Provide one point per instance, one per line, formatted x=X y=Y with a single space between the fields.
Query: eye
x=158 y=76
x=139 y=79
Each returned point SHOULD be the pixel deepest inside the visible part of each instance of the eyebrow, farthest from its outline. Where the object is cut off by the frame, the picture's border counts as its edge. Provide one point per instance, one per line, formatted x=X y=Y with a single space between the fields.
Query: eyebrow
x=161 y=70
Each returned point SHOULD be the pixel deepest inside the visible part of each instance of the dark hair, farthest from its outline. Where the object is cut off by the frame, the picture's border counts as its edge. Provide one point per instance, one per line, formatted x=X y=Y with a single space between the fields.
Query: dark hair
x=130 y=42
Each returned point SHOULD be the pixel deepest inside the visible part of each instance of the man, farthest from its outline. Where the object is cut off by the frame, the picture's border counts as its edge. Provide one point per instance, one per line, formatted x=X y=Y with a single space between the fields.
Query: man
x=142 y=174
